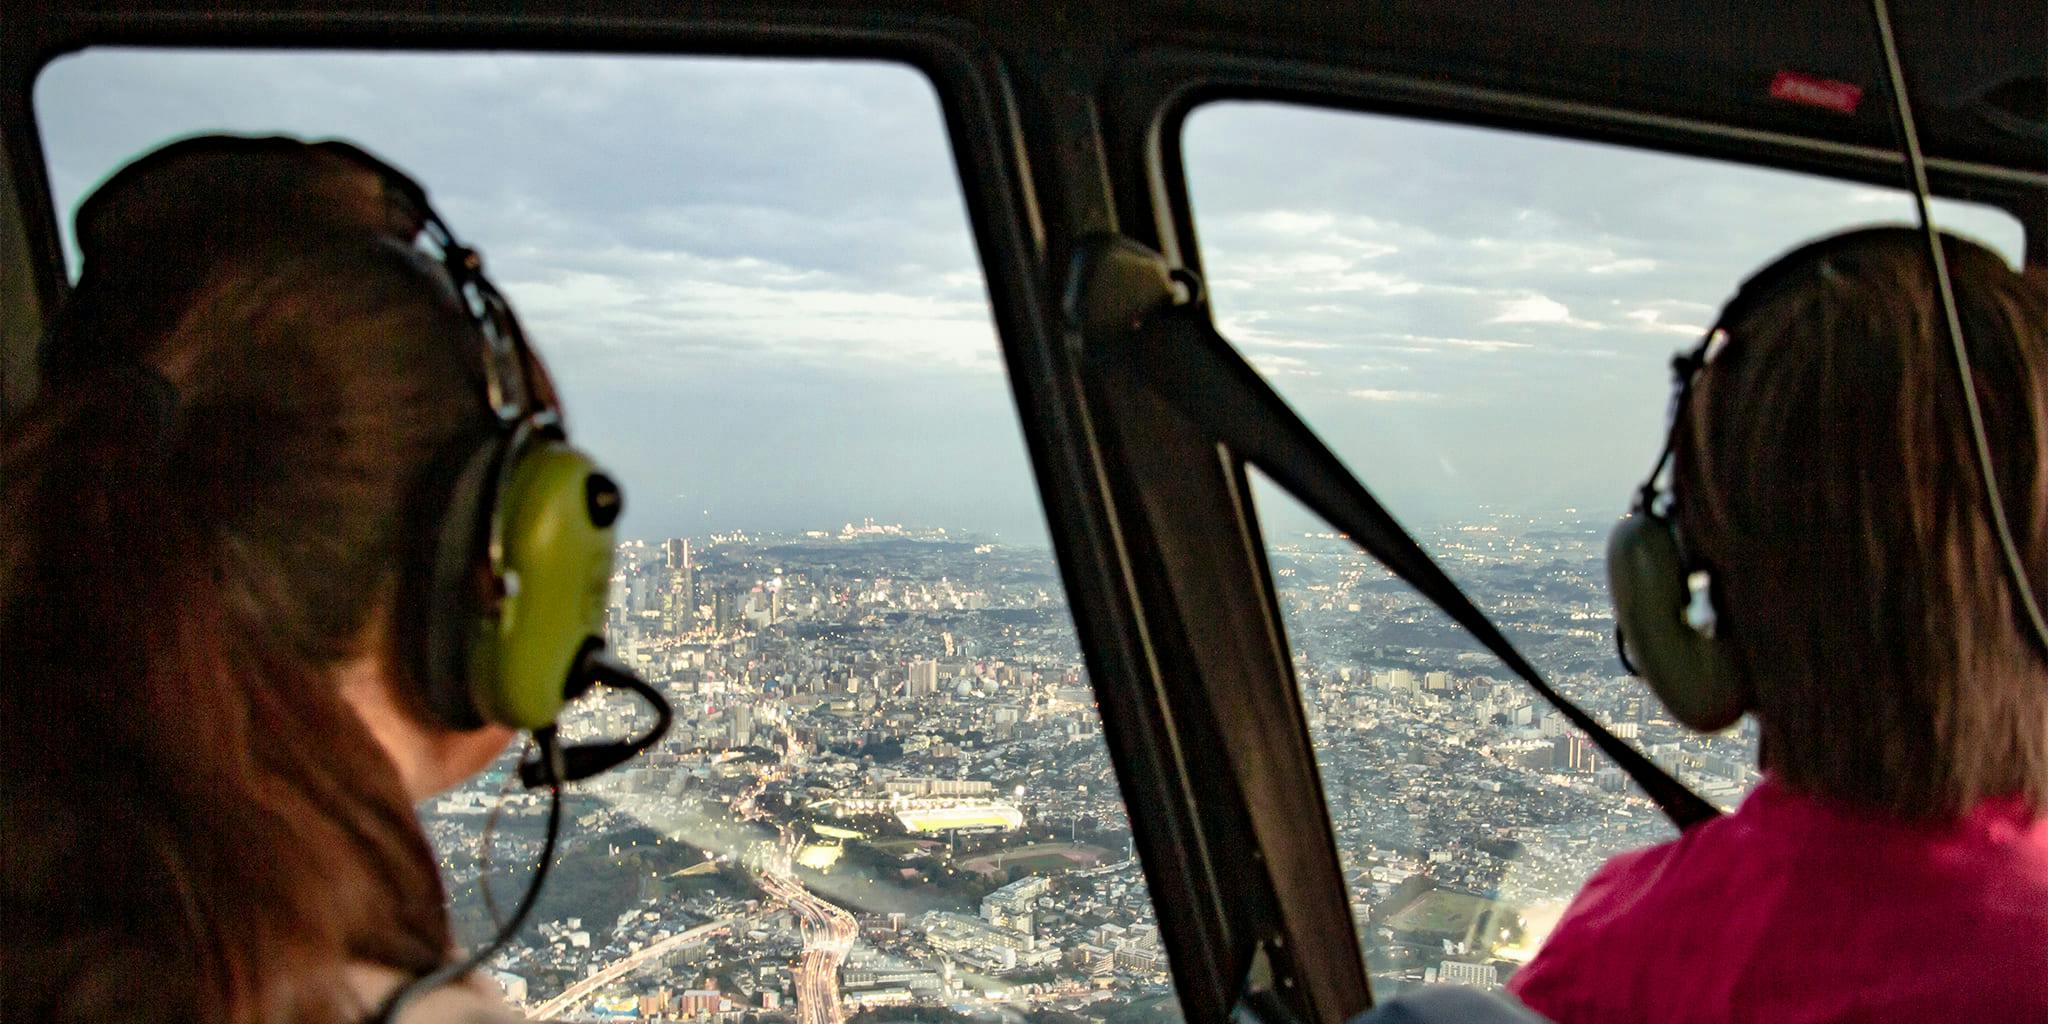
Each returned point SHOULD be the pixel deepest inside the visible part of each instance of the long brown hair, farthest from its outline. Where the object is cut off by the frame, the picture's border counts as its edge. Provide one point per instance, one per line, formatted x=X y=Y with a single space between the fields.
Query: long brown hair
x=1826 y=473
x=197 y=826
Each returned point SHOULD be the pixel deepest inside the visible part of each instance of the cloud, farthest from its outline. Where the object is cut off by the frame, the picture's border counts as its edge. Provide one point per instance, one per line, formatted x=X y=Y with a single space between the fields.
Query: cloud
x=1283 y=366
x=1370 y=282
x=649 y=322
x=664 y=217
x=1246 y=330
x=1539 y=309
x=1392 y=395
x=1500 y=255
x=1637 y=265
x=1309 y=271
x=1292 y=222
x=1653 y=320
x=1425 y=342
x=1253 y=338
x=1532 y=309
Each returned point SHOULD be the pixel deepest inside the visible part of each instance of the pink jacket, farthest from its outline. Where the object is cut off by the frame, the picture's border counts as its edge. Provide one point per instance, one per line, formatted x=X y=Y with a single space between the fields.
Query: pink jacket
x=1797 y=912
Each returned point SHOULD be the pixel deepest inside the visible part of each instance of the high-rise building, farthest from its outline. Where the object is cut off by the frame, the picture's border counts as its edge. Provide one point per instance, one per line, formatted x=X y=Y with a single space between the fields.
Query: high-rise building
x=725 y=608
x=1012 y=906
x=1573 y=752
x=1399 y=680
x=656 y=1002
x=682 y=591
x=957 y=933
x=1093 y=960
x=1459 y=972
x=675 y=553
x=1134 y=960
x=924 y=678
x=696 y=1001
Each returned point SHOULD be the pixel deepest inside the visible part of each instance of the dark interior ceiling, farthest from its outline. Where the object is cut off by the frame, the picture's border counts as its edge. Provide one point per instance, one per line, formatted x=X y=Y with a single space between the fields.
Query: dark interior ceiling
x=1706 y=61
x=1979 y=70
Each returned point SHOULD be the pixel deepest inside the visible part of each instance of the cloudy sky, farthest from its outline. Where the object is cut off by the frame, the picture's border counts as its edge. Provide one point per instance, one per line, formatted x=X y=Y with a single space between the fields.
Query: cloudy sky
x=755 y=282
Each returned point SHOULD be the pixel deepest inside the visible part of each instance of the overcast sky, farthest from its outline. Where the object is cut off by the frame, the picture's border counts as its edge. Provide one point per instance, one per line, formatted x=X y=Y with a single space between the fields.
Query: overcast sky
x=755 y=283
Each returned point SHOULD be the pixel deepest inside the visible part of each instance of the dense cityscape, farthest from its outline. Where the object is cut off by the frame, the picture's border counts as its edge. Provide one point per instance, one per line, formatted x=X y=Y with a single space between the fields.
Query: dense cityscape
x=886 y=796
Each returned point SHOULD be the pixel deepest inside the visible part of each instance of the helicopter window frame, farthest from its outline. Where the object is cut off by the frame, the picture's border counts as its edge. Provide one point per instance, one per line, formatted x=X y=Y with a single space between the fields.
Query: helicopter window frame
x=1027 y=170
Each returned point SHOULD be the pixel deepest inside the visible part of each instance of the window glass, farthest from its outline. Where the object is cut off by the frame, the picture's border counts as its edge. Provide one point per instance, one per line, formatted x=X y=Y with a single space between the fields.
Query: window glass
x=1480 y=323
x=886 y=795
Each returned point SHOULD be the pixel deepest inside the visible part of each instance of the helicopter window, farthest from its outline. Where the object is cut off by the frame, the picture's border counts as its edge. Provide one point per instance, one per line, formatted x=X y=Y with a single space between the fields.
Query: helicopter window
x=1480 y=323
x=886 y=793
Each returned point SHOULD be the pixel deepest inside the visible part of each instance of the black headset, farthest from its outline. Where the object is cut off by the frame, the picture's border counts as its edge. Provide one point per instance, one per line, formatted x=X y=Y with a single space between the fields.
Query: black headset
x=516 y=539
x=1667 y=620
x=1669 y=630
x=514 y=534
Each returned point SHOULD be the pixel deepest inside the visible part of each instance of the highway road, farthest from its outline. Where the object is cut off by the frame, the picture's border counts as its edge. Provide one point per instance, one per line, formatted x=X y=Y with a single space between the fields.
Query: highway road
x=828 y=930
x=623 y=966
x=828 y=936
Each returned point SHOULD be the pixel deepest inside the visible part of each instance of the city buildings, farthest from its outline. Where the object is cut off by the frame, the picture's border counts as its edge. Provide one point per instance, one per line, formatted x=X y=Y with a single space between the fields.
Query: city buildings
x=886 y=786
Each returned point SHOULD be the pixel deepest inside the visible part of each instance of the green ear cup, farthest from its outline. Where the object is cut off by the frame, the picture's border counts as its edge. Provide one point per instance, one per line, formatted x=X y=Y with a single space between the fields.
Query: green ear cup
x=555 y=521
x=1693 y=675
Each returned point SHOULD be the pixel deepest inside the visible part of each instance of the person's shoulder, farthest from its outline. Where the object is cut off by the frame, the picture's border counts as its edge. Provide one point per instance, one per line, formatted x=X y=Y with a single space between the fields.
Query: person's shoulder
x=473 y=1000
x=1626 y=874
x=1579 y=948
x=1696 y=863
x=460 y=1004
x=1450 y=1004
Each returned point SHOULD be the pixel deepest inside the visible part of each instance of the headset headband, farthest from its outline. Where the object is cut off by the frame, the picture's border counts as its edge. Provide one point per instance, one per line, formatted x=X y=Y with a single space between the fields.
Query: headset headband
x=256 y=182
x=509 y=367
x=1793 y=269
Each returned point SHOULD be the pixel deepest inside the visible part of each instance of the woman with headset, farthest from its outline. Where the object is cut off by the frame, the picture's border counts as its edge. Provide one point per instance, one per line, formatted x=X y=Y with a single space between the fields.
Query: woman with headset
x=1825 y=561
x=293 y=540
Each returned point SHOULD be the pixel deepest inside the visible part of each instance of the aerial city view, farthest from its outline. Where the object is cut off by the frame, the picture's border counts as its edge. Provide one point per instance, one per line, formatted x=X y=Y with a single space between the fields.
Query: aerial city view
x=886 y=796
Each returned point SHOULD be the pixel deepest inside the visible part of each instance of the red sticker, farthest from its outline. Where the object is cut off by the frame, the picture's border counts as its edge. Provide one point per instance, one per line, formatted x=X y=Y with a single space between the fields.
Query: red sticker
x=1841 y=97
